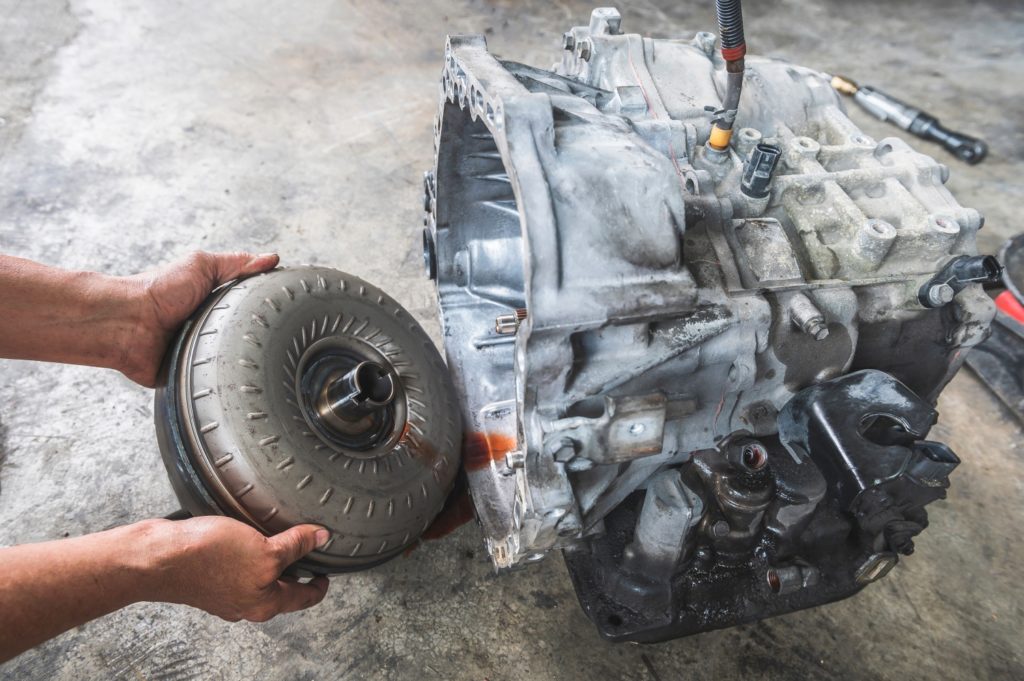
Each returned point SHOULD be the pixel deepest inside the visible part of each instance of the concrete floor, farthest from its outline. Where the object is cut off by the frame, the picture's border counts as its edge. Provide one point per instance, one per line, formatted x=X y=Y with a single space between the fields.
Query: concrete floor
x=132 y=132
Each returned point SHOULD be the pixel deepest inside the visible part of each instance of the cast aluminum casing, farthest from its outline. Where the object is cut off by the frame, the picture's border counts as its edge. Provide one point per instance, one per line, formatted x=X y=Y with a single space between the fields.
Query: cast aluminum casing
x=665 y=311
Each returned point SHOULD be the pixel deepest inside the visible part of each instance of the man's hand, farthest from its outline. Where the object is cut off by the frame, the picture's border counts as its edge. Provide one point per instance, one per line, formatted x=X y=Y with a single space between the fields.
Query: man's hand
x=168 y=296
x=214 y=563
x=229 y=569
x=122 y=323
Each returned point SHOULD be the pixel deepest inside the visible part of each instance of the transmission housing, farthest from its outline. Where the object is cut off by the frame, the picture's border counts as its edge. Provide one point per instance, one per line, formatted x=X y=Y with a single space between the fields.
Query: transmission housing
x=706 y=377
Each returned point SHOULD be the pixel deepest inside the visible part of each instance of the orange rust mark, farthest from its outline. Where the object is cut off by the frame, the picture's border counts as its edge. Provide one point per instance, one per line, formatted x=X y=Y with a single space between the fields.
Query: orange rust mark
x=480 y=449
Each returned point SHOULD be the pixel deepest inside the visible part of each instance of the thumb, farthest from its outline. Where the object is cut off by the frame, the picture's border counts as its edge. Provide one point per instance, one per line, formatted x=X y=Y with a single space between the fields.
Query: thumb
x=296 y=542
x=228 y=266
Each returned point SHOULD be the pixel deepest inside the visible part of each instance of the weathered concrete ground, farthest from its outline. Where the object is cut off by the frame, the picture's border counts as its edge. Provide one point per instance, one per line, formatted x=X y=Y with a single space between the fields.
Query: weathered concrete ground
x=132 y=132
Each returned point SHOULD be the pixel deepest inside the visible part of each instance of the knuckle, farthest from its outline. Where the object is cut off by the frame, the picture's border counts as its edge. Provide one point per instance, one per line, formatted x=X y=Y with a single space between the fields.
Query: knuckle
x=280 y=556
x=200 y=261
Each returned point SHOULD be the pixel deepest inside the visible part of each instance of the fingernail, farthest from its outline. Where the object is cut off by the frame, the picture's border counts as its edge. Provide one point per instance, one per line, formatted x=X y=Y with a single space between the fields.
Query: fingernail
x=267 y=255
x=321 y=537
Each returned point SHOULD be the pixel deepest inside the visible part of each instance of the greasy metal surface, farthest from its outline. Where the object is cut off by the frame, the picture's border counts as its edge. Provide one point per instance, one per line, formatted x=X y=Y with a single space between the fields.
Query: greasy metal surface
x=666 y=308
x=126 y=123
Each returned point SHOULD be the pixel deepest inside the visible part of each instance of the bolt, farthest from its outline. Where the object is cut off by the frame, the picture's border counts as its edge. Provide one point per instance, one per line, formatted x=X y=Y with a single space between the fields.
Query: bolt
x=940 y=294
x=515 y=459
x=568 y=41
x=586 y=49
x=816 y=329
x=720 y=529
x=508 y=324
x=706 y=42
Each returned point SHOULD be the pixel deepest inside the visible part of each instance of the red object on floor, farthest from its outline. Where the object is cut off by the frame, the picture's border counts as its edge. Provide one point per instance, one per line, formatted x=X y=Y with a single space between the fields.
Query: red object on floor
x=1008 y=303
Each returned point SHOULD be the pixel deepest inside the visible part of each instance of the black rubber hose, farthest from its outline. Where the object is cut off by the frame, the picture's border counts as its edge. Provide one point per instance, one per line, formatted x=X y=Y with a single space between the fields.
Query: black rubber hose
x=730 y=28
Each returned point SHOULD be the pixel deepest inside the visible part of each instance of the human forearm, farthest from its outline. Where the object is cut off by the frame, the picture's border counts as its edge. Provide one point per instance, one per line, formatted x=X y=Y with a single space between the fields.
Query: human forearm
x=50 y=587
x=56 y=315
x=122 y=323
x=214 y=563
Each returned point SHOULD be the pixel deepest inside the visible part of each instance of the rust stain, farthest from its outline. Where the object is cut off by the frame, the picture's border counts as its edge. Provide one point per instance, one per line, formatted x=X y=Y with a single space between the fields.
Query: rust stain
x=480 y=449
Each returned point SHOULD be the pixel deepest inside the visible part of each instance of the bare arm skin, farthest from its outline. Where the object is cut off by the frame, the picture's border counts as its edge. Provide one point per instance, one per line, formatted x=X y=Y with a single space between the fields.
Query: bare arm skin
x=121 y=323
x=214 y=563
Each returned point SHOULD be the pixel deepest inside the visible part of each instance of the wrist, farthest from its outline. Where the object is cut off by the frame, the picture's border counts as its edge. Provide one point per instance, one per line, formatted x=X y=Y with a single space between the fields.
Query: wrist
x=150 y=553
x=119 y=306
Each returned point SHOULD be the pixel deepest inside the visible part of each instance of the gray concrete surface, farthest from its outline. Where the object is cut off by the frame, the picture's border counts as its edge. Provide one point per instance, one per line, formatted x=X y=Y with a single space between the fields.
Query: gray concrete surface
x=134 y=131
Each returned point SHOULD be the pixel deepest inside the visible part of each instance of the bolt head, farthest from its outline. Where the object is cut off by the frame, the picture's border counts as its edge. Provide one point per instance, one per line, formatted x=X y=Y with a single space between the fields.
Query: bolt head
x=585 y=49
x=940 y=294
x=515 y=459
x=568 y=41
x=720 y=529
x=506 y=324
x=818 y=330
